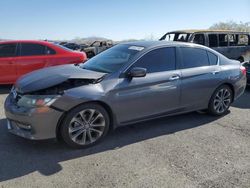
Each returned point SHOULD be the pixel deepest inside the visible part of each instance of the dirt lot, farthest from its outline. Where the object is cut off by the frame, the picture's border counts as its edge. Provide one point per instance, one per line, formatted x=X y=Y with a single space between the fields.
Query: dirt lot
x=191 y=150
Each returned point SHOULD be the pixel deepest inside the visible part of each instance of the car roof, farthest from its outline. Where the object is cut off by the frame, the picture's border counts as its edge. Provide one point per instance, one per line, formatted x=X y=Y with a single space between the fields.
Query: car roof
x=153 y=44
x=207 y=31
x=25 y=41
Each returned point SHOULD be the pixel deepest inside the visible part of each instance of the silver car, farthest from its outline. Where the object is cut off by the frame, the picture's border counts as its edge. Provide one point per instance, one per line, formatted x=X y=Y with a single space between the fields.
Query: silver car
x=127 y=83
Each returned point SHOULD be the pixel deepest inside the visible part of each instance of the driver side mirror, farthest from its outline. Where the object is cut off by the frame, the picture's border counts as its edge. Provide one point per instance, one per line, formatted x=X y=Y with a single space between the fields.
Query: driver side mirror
x=137 y=72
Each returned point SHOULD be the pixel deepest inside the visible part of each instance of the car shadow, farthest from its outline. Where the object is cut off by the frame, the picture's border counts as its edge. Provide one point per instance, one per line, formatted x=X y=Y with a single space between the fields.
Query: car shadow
x=5 y=89
x=243 y=101
x=20 y=157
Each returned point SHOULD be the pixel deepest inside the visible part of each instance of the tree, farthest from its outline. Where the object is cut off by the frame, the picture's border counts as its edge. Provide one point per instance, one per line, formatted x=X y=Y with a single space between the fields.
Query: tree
x=231 y=25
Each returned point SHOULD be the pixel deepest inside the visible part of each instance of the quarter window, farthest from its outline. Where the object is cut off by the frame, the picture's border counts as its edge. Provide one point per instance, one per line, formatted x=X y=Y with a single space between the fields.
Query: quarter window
x=194 y=57
x=32 y=49
x=7 y=50
x=213 y=59
x=213 y=40
x=158 y=60
x=50 y=51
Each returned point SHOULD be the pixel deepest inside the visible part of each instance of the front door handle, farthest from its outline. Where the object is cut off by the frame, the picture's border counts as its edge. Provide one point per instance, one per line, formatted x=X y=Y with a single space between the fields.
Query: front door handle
x=175 y=77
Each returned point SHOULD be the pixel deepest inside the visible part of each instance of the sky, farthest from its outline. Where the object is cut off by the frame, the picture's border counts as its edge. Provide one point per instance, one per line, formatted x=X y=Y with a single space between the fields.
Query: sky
x=113 y=19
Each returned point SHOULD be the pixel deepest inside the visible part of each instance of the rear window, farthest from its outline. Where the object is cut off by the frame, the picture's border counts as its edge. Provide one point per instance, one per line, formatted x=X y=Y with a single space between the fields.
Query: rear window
x=7 y=50
x=32 y=49
x=194 y=57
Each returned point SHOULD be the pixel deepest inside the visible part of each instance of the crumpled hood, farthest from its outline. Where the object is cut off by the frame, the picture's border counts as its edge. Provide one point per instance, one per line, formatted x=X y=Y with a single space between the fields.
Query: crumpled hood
x=52 y=76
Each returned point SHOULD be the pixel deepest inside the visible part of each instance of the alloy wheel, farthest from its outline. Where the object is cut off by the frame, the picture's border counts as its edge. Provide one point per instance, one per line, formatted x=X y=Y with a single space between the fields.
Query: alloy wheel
x=222 y=100
x=87 y=126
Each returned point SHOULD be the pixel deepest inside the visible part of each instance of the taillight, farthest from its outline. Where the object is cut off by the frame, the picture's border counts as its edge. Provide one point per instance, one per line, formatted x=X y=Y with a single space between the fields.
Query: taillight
x=243 y=70
x=83 y=57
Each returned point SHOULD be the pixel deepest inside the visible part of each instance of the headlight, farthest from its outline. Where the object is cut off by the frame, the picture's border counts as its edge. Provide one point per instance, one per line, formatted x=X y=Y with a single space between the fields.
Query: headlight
x=35 y=101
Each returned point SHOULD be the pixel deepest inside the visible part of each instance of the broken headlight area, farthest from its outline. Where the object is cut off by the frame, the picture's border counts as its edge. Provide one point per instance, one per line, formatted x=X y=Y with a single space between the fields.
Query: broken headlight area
x=36 y=101
x=46 y=97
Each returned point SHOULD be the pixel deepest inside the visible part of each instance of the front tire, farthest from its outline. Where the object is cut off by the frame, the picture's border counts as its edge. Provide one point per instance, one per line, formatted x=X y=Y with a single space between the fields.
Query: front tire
x=220 y=101
x=85 y=126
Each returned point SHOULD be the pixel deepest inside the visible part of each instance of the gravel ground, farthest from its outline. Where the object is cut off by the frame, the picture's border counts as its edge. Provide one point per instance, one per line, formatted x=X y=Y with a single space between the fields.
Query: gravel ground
x=191 y=150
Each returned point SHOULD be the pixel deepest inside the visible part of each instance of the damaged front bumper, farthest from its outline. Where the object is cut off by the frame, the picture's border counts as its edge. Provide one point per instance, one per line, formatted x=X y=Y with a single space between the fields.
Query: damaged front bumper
x=34 y=124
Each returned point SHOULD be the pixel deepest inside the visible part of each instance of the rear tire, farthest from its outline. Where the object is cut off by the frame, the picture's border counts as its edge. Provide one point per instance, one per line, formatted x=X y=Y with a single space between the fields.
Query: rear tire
x=220 y=101
x=85 y=126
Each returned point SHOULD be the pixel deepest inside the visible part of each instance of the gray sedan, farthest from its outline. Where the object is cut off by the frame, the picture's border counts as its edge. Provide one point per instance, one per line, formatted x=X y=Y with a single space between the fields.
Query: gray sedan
x=127 y=83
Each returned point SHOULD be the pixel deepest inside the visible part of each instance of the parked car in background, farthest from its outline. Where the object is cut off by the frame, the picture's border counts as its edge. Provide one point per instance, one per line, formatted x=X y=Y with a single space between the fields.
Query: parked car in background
x=97 y=47
x=232 y=44
x=127 y=83
x=20 y=57
x=247 y=66
x=72 y=46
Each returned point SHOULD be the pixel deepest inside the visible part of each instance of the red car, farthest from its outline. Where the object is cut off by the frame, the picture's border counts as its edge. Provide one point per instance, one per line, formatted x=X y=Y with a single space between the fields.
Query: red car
x=20 y=57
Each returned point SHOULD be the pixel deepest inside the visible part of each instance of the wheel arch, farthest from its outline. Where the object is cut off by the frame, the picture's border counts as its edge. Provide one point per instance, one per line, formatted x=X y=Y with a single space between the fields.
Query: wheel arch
x=230 y=86
x=101 y=103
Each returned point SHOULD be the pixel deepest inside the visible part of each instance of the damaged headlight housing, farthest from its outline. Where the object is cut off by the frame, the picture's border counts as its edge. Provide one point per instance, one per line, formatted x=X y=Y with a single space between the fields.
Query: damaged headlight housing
x=36 y=101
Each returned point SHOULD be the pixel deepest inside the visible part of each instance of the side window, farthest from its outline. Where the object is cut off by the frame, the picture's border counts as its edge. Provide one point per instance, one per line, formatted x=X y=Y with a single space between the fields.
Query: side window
x=50 y=51
x=213 y=40
x=194 y=57
x=158 y=60
x=7 y=50
x=182 y=37
x=243 y=40
x=223 y=39
x=32 y=49
x=213 y=59
x=232 y=40
x=170 y=37
x=199 y=39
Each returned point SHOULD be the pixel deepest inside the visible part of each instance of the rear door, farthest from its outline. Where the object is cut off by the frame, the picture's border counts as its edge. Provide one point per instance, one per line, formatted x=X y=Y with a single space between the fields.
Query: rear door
x=31 y=57
x=7 y=63
x=200 y=74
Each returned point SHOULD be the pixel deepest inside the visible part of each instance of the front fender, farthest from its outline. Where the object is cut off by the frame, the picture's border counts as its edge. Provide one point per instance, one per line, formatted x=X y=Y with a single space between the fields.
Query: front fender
x=79 y=95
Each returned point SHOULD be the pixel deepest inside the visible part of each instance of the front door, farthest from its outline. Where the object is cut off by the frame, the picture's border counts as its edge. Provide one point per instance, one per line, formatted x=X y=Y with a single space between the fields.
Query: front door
x=156 y=94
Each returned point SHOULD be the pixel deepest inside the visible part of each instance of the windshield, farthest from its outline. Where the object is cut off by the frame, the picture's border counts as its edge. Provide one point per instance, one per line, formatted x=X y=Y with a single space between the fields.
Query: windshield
x=63 y=47
x=112 y=59
x=182 y=37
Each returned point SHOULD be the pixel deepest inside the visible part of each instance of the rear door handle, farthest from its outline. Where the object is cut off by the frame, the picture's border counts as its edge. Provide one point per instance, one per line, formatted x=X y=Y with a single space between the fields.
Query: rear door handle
x=175 y=77
x=215 y=72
